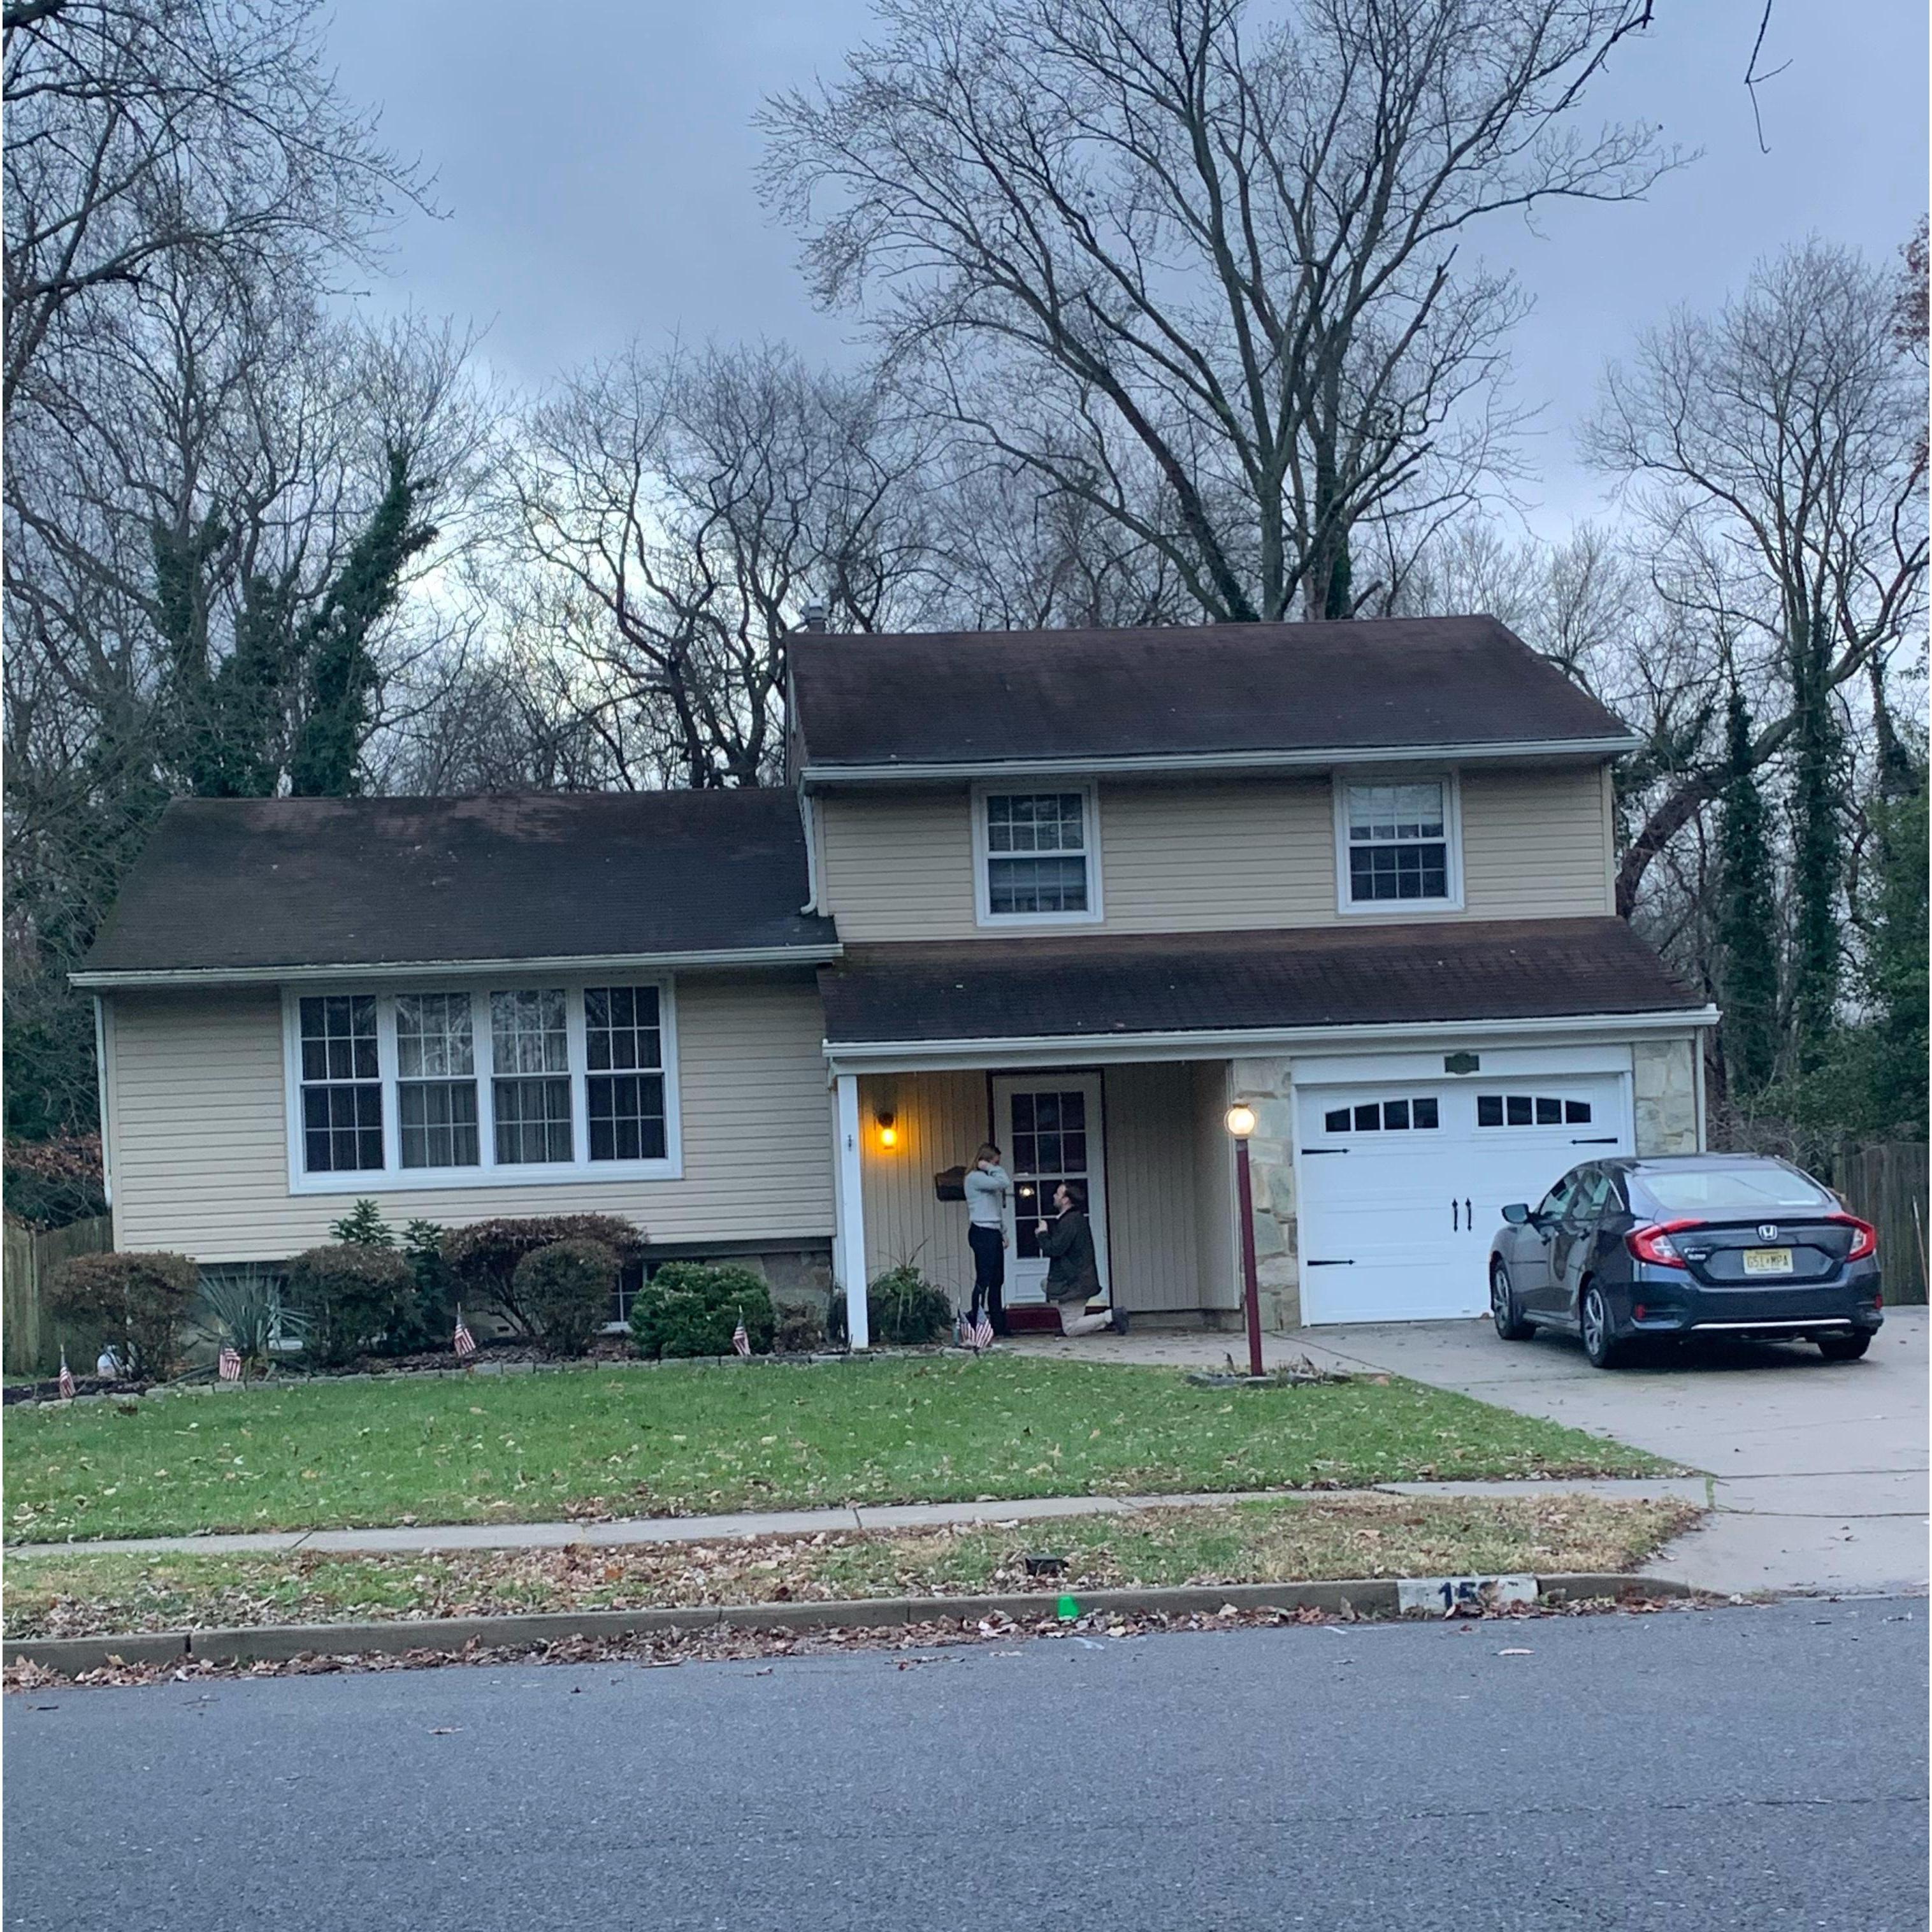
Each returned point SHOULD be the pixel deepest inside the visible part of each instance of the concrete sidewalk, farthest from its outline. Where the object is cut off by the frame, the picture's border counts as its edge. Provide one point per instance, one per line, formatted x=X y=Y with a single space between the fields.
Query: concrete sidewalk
x=1821 y=1467
x=809 y=1522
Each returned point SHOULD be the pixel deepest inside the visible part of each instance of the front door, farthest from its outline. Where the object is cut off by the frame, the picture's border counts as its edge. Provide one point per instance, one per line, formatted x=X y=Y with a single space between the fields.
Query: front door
x=1050 y=1128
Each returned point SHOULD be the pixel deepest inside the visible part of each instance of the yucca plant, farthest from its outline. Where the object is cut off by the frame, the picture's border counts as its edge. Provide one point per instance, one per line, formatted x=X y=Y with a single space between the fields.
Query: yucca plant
x=243 y=1305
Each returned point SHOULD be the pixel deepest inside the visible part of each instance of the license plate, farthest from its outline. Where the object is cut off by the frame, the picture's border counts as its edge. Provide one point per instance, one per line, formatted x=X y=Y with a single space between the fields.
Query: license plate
x=1767 y=1260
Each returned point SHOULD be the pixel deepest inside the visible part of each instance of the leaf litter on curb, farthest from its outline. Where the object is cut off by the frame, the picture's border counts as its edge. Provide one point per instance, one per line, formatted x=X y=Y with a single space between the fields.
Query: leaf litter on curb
x=667 y=1649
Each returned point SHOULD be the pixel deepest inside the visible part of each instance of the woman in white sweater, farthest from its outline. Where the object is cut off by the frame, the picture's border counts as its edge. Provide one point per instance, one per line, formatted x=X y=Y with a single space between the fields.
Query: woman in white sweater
x=989 y=1188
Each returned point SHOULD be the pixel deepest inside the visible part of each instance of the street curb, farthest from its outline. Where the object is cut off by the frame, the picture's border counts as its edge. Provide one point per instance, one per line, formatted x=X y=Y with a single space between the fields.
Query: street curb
x=1366 y=1596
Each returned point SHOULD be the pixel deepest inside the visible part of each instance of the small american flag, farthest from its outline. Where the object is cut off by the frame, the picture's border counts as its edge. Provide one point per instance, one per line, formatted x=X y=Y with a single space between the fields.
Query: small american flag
x=465 y=1342
x=66 y=1379
x=229 y=1367
x=981 y=1336
x=740 y=1340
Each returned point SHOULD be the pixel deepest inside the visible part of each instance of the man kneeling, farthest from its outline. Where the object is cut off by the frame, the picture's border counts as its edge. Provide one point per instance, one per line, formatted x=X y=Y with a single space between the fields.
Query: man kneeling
x=1073 y=1271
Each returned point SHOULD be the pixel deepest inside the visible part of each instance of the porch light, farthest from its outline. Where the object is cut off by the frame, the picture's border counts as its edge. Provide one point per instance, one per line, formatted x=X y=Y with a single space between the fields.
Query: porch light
x=889 y=1134
x=1240 y=1120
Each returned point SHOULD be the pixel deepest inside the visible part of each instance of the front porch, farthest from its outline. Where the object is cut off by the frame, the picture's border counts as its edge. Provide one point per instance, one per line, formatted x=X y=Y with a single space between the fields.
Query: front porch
x=1146 y=1139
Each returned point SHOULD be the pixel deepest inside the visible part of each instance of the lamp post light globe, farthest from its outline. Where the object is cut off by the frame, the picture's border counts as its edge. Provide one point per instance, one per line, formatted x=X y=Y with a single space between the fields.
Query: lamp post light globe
x=1240 y=1120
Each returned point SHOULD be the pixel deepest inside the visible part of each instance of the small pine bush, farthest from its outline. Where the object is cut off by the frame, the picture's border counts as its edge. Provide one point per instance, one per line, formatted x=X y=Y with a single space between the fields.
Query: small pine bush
x=798 y=1331
x=691 y=1308
x=565 y=1290
x=134 y=1304
x=350 y=1295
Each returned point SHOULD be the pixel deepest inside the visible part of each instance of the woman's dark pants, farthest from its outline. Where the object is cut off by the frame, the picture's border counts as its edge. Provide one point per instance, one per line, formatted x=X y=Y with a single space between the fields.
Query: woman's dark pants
x=989 y=1273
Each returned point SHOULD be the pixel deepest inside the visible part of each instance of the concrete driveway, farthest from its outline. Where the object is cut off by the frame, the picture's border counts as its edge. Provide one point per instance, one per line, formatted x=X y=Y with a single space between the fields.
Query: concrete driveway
x=1820 y=1467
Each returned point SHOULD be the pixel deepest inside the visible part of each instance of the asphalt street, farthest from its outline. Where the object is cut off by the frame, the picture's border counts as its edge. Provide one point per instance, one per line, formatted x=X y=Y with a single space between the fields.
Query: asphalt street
x=1759 y=1766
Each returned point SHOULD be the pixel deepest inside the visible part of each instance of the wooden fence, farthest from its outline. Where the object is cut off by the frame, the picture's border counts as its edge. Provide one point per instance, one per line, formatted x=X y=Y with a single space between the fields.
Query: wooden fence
x=1886 y=1185
x=28 y=1343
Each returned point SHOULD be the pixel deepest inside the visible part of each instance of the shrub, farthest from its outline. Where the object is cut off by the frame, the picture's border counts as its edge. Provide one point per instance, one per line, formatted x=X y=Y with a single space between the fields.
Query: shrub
x=51 y=1183
x=428 y=1318
x=350 y=1294
x=691 y=1308
x=904 y=1309
x=798 y=1330
x=565 y=1289
x=482 y=1259
x=134 y=1303
x=364 y=1226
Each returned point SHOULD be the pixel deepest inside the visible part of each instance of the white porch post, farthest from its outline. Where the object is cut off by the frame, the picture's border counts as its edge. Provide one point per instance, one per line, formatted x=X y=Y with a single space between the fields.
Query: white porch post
x=851 y=1213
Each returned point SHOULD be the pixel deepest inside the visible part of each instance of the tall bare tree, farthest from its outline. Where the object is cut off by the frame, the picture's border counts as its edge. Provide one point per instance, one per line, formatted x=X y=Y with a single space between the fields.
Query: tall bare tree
x=687 y=509
x=1119 y=234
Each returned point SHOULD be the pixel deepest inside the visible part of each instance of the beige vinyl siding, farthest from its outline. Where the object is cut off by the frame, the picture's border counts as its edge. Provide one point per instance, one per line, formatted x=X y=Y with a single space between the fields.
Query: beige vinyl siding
x=200 y=1130
x=1214 y=1186
x=1212 y=855
x=1152 y=1251
x=940 y=1120
x=1534 y=845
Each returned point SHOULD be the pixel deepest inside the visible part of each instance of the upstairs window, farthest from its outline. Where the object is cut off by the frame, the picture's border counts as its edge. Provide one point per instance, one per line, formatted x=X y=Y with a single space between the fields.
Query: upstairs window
x=1037 y=856
x=1398 y=846
x=341 y=1086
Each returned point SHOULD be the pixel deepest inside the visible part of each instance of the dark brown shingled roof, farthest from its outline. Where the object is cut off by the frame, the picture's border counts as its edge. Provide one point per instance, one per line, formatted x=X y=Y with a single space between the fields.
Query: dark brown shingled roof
x=998 y=989
x=251 y=883
x=980 y=697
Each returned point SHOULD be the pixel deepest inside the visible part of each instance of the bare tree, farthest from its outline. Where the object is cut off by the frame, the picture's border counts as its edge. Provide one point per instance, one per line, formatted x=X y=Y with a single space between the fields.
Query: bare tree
x=1775 y=454
x=1113 y=234
x=141 y=129
x=686 y=511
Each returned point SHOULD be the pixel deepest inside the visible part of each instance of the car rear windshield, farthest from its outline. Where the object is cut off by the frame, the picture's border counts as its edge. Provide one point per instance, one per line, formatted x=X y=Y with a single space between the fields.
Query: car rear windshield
x=1719 y=1190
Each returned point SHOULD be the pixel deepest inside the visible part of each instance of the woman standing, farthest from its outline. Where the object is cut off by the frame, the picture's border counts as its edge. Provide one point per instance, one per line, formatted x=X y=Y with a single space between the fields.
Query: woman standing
x=1073 y=1269
x=988 y=1187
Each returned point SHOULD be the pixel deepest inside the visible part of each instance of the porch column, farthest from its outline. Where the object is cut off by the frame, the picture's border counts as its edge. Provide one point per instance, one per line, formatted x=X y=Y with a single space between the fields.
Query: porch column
x=850 y=1257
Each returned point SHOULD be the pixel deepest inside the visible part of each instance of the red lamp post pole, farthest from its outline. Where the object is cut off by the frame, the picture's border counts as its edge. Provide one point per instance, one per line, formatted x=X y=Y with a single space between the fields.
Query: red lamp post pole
x=1250 y=1274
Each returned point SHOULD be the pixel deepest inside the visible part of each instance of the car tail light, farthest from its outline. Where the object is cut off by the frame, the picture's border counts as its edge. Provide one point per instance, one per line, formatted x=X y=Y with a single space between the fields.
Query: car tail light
x=1653 y=1244
x=1864 y=1236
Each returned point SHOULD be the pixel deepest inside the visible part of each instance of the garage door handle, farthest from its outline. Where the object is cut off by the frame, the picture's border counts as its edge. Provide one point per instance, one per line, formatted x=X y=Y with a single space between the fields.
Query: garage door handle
x=1324 y=1150
x=1593 y=1140
x=1316 y=1264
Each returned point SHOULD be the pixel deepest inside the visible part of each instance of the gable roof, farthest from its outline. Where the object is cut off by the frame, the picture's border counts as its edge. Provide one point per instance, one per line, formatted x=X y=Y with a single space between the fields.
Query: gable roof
x=1098 y=989
x=931 y=703
x=239 y=886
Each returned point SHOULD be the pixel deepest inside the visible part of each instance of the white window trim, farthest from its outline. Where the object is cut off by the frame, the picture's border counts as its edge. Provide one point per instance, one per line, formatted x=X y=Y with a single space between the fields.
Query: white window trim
x=1450 y=781
x=394 y=1178
x=982 y=910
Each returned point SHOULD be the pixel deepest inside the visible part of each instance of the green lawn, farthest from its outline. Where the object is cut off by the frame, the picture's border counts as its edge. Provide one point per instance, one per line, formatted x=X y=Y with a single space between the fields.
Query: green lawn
x=80 y=1593
x=691 y=1440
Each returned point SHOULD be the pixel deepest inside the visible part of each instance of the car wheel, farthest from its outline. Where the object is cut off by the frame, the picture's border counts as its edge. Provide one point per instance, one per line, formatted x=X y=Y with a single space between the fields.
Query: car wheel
x=1602 y=1347
x=1503 y=1310
x=1842 y=1348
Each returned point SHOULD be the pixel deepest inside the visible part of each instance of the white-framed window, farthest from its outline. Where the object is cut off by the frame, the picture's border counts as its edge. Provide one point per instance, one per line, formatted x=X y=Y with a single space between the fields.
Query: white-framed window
x=468 y=1085
x=1398 y=843
x=1036 y=855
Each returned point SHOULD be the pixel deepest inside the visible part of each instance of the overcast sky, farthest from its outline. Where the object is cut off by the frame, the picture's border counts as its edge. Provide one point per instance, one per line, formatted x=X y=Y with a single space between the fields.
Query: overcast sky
x=595 y=160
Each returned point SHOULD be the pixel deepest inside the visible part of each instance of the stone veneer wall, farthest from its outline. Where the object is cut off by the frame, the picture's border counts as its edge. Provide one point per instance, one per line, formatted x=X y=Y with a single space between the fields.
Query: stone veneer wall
x=1665 y=1086
x=1265 y=1085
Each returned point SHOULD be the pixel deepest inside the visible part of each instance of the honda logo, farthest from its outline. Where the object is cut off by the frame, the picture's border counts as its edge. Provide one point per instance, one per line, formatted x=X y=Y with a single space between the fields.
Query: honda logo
x=1767 y=1231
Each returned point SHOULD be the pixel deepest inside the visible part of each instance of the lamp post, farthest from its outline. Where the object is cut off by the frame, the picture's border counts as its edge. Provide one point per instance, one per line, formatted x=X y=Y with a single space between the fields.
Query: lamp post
x=1241 y=1124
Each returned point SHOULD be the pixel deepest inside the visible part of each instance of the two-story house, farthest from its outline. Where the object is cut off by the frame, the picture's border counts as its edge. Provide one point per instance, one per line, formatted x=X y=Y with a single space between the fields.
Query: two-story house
x=1074 y=891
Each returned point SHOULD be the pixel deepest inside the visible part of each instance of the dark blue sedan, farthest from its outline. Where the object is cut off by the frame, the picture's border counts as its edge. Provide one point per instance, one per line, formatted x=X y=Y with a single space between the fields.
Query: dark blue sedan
x=1735 y=1245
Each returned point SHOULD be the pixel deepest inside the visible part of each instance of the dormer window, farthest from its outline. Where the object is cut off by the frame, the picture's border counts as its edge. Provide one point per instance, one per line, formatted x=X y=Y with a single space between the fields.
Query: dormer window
x=1396 y=844
x=1036 y=856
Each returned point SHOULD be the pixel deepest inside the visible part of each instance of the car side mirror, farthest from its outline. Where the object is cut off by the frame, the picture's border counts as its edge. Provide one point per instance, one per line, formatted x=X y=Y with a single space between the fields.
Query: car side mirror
x=1517 y=1214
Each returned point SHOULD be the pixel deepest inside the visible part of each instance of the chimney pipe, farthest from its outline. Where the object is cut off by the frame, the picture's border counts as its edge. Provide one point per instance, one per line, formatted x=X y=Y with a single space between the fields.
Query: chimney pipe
x=814 y=617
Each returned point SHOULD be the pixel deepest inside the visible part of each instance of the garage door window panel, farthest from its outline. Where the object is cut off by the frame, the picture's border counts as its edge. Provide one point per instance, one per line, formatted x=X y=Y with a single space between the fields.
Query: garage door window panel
x=1420 y=1112
x=1531 y=1110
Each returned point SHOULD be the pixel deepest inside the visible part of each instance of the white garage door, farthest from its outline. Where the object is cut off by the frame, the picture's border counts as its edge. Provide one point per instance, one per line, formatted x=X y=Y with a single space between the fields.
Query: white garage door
x=1403 y=1184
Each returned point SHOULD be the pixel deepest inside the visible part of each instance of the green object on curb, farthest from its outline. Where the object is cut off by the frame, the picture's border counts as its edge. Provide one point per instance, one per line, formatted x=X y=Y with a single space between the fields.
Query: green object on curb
x=1069 y=1607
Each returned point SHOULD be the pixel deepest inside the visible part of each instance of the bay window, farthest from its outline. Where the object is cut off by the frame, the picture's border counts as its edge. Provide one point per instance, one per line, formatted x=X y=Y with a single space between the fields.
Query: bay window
x=460 y=1085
